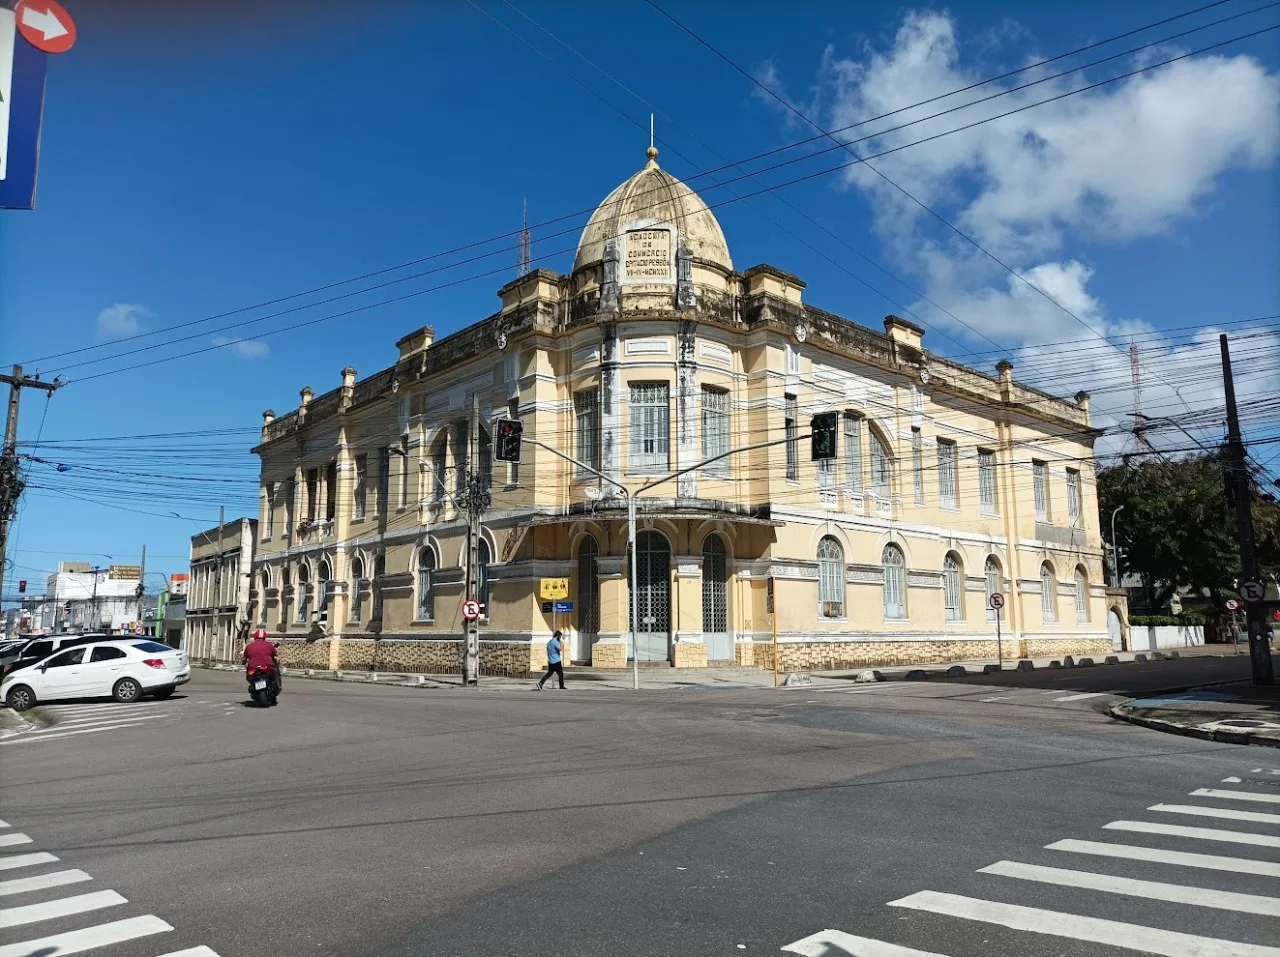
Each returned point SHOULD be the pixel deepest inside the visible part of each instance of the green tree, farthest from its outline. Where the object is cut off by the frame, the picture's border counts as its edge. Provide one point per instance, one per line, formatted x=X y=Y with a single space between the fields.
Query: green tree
x=1178 y=528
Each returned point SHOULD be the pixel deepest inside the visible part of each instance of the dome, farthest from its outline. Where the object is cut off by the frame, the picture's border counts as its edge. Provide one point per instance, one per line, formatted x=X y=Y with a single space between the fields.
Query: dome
x=654 y=197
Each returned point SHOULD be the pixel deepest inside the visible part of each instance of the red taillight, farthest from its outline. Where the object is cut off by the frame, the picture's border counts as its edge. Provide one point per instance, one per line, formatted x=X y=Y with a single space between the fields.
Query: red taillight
x=154 y=662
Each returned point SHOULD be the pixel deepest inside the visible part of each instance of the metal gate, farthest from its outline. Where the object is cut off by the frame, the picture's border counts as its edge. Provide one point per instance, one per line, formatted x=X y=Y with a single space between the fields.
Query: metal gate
x=715 y=600
x=653 y=592
x=1116 y=630
x=588 y=599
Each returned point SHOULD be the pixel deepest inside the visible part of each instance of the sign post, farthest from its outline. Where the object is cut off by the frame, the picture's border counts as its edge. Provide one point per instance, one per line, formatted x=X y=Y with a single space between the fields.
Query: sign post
x=996 y=601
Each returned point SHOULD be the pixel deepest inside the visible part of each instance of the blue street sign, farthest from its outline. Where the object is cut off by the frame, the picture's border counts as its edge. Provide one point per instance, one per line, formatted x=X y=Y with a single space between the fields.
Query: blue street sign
x=22 y=73
x=546 y=607
x=562 y=607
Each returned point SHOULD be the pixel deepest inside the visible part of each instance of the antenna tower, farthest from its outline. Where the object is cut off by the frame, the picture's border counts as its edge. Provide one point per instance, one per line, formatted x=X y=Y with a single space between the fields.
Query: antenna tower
x=524 y=262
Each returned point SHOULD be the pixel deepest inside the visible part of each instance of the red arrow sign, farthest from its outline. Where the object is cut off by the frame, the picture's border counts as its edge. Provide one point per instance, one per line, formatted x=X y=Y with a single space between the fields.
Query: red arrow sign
x=45 y=25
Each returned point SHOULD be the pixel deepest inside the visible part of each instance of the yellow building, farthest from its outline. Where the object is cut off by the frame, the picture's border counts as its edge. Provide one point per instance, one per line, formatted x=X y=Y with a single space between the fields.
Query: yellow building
x=653 y=355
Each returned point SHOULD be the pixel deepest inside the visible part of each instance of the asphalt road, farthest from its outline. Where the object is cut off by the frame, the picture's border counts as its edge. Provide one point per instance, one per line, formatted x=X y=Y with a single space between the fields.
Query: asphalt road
x=365 y=820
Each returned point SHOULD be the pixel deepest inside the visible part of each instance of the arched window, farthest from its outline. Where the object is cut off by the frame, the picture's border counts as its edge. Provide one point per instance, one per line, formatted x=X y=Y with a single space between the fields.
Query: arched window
x=991 y=571
x=304 y=595
x=426 y=584
x=263 y=584
x=439 y=470
x=830 y=578
x=379 y=570
x=881 y=466
x=1082 y=594
x=953 y=587
x=323 y=578
x=285 y=595
x=715 y=589
x=895 y=582
x=482 y=576
x=357 y=575
x=1048 y=593
x=588 y=587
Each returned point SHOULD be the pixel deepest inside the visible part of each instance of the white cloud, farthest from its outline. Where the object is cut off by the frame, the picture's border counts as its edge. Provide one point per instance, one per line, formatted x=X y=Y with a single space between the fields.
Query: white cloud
x=122 y=319
x=244 y=348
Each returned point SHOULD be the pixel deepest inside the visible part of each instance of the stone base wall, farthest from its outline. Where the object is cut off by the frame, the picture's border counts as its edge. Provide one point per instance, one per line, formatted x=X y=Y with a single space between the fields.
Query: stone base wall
x=1057 y=647
x=838 y=655
x=690 y=654
x=303 y=654
x=511 y=659
x=607 y=654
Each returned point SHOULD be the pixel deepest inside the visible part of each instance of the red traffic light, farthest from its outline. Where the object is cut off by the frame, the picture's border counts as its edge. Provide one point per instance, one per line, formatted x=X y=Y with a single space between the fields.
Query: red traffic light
x=22 y=586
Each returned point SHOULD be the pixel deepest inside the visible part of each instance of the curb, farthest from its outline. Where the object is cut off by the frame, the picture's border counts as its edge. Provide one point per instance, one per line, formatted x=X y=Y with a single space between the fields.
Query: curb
x=25 y=726
x=1172 y=727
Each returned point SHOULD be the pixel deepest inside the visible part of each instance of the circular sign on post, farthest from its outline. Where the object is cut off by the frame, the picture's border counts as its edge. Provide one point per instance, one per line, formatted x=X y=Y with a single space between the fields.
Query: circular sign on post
x=996 y=601
x=471 y=609
x=1233 y=604
x=45 y=25
x=1253 y=591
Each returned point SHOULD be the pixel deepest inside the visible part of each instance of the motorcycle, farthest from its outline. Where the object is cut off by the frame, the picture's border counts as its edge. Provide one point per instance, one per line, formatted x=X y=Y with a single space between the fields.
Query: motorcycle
x=263 y=687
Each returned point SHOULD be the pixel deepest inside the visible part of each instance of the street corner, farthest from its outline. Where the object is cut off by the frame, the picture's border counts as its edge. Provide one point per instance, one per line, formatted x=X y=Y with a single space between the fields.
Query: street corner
x=13 y=723
x=1234 y=715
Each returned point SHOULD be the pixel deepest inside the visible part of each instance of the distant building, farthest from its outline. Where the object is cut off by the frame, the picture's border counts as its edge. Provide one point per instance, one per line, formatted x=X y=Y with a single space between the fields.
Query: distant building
x=80 y=597
x=217 y=603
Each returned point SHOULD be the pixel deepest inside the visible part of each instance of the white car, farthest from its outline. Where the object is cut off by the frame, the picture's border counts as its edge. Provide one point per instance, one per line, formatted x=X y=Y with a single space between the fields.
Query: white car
x=121 y=668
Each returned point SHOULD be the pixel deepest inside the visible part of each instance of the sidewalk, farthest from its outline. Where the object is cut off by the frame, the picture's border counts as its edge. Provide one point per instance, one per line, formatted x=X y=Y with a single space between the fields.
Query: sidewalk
x=1240 y=713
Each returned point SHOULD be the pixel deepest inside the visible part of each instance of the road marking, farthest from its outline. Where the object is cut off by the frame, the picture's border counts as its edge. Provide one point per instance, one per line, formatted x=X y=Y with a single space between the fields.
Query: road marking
x=999 y=697
x=837 y=941
x=1213 y=862
x=201 y=951
x=4 y=823
x=1236 y=795
x=1150 y=890
x=9 y=840
x=78 y=941
x=10 y=861
x=1231 y=781
x=22 y=885
x=860 y=690
x=93 y=722
x=1257 y=817
x=1082 y=695
x=1203 y=833
x=26 y=738
x=1147 y=940
x=62 y=907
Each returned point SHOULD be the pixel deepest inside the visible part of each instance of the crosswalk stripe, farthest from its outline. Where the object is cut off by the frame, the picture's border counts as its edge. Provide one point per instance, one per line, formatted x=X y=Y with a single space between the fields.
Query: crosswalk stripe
x=92 y=722
x=9 y=861
x=30 y=738
x=62 y=907
x=78 y=941
x=1082 y=695
x=1213 y=862
x=201 y=951
x=1150 y=940
x=1236 y=795
x=1203 y=833
x=1232 y=780
x=829 y=942
x=23 y=885
x=9 y=840
x=1150 y=890
x=1257 y=817
x=4 y=823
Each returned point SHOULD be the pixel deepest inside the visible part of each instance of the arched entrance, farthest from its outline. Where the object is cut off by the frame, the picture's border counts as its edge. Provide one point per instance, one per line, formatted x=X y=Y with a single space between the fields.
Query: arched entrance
x=653 y=597
x=715 y=600
x=1115 y=628
x=588 y=599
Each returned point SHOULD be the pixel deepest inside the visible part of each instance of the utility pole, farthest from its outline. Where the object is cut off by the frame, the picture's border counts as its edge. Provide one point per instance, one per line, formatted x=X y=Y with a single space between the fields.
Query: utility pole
x=142 y=585
x=217 y=588
x=475 y=499
x=10 y=479
x=1240 y=491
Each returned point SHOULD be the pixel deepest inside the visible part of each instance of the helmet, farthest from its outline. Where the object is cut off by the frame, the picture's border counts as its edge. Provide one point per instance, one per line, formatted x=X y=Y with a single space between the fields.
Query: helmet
x=260 y=633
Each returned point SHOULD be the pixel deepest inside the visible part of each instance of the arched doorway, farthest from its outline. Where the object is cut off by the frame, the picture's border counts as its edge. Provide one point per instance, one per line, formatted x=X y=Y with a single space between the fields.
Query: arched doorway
x=1115 y=628
x=653 y=597
x=715 y=600
x=588 y=599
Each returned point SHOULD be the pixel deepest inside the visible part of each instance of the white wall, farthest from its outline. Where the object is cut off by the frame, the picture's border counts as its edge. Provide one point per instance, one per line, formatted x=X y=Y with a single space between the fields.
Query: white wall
x=1151 y=637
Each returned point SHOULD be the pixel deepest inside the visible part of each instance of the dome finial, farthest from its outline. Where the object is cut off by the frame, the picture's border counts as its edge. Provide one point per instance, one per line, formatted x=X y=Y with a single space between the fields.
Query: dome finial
x=652 y=151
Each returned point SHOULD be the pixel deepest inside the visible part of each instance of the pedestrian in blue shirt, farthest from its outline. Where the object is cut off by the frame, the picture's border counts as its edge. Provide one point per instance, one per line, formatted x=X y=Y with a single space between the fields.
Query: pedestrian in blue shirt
x=554 y=664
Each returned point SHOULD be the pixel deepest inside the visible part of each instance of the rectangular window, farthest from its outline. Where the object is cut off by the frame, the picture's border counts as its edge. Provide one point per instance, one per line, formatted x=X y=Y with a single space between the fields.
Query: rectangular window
x=331 y=491
x=404 y=471
x=947 y=493
x=1073 y=497
x=486 y=458
x=513 y=468
x=793 y=360
x=440 y=471
x=793 y=449
x=313 y=489
x=384 y=480
x=650 y=426
x=586 y=417
x=917 y=465
x=987 y=481
x=361 y=492
x=715 y=428
x=1040 y=482
x=853 y=452
x=290 y=502
x=461 y=438
x=271 y=510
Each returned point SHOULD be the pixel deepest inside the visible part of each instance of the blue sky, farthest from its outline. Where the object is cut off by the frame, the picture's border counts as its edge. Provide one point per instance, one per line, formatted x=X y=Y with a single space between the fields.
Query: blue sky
x=192 y=166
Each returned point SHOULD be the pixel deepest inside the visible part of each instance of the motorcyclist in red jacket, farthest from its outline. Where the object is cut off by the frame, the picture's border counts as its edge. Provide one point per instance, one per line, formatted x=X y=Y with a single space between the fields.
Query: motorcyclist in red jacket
x=261 y=653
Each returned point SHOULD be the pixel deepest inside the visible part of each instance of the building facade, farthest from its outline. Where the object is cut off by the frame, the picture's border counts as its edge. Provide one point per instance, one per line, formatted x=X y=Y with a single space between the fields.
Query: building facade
x=216 y=617
x=653 y=355
x=81 y=597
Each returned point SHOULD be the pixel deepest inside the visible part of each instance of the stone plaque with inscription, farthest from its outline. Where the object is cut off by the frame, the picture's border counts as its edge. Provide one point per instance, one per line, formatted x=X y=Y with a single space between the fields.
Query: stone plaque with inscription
x=647 y=256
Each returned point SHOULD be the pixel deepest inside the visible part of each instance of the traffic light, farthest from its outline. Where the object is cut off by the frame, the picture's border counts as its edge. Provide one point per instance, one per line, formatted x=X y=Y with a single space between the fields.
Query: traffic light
x=510 y=432
x=22 y=587
x=823 y=435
